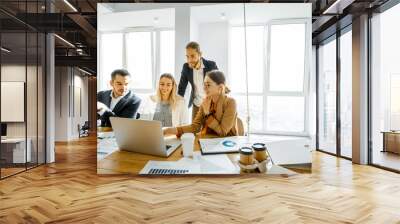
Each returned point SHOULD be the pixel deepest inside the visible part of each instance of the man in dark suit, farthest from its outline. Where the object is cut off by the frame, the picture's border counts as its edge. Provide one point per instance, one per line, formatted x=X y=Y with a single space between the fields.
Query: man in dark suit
x=193 y=72
x=119 y=101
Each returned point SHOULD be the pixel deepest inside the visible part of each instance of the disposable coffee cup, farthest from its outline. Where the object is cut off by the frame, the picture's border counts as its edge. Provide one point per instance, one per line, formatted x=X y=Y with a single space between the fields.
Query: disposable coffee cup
x=187 y=140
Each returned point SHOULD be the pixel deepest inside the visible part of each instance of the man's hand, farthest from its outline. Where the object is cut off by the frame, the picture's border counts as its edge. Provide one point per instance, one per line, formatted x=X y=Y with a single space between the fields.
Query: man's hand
x=101 y=107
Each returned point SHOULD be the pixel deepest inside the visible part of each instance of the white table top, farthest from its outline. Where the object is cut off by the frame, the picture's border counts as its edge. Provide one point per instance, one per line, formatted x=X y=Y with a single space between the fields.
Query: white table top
x=14 y=140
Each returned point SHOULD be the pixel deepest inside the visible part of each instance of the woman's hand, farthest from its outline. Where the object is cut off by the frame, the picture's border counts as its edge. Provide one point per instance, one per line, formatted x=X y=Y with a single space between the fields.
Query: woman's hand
x=206 y=105
x=170 y=131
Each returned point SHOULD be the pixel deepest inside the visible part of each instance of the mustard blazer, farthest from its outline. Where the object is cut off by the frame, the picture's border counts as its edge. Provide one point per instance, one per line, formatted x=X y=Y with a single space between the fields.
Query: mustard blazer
x=222 y=123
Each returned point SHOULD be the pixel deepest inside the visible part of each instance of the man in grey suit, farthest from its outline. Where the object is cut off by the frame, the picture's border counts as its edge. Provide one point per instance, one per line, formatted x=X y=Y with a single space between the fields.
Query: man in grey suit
x=119 y=101
x=193 y=72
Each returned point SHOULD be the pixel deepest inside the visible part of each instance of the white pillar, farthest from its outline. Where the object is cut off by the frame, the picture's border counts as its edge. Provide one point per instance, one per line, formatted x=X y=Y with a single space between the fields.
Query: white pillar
x=182 y=37
x=50 y=98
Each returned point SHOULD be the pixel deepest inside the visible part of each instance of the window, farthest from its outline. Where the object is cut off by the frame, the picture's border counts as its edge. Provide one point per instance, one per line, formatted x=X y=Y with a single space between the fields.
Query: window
x=167 y=52
x=286 y=49
x=146 y=54
x=255 y=59
x=139 y=59
x=285 y=113
x=110 y=56
x=277 y=106
x=237 y=77
x=327 y=97
x=385 y=87
x=395 y=102
x=346 y=94
x=286 y=103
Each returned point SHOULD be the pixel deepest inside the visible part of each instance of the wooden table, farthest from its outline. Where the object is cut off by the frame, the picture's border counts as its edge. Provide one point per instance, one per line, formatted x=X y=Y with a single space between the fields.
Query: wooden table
x=125 y=162
x=391 y=141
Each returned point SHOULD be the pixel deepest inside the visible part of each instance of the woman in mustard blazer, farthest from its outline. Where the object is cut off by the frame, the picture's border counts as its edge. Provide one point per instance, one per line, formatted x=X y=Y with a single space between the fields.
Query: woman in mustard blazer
x=217 y=114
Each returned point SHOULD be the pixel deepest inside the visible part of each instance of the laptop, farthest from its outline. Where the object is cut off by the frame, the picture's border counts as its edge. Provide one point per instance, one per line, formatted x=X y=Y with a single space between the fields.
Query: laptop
x=143 y=136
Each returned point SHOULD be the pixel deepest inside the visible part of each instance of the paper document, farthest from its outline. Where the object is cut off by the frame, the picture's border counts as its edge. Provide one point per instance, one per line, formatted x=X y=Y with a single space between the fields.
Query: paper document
x=199 y=164
x=212 y=164
x=223 y=145
x=169 y=168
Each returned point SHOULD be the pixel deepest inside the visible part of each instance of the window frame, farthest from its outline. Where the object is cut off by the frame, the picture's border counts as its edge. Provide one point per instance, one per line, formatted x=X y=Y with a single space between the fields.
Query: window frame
x=155 y=54
x=306 y=93
x=390 y=111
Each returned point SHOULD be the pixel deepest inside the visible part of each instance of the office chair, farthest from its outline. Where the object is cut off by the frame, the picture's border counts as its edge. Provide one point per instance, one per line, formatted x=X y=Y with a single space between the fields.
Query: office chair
x=240 y=127
x=84 y=130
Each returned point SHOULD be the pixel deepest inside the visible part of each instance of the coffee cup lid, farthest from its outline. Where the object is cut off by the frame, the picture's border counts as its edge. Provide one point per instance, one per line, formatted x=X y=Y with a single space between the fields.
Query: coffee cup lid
x=258 y=146
x=246 y=151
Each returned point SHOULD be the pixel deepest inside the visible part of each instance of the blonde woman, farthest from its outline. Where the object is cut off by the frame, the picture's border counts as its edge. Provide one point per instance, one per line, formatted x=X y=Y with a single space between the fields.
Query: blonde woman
x=166 y=105
x=217 y=114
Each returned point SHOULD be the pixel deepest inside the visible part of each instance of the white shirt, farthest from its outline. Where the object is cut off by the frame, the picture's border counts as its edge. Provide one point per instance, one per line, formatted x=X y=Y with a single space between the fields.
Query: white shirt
x=180 y=114
x=198 y=79
x=114 y=102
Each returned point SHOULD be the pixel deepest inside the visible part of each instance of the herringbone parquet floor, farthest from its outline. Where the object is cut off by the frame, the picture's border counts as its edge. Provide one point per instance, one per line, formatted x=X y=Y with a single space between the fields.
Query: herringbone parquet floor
x=70 y=191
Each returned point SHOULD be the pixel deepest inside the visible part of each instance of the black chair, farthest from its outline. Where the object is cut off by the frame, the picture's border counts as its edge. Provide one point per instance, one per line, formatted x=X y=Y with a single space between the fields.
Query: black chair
x=84 y=130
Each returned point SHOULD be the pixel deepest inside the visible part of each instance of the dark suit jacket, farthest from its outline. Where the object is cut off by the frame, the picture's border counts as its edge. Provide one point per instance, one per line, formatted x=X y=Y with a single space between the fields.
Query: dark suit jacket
x=187 y=77
x=126 y=107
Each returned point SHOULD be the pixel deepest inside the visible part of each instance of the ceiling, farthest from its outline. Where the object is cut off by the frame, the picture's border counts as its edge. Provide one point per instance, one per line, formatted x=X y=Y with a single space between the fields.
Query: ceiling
x=77 y=22
x=117 y=17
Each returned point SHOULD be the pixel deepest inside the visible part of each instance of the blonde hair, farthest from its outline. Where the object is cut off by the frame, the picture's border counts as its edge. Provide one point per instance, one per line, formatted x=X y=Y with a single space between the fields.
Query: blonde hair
x=172 y=99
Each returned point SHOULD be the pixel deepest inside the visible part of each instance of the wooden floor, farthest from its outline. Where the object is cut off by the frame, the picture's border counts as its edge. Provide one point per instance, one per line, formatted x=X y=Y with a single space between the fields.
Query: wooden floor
x=70 y=191
x=387 y=159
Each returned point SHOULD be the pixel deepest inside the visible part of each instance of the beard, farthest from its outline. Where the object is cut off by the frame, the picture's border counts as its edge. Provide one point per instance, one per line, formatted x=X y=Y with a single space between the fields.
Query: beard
x=194 y=65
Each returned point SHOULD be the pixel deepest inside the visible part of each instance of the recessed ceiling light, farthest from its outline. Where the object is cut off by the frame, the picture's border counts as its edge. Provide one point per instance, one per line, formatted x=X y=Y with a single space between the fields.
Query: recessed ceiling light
x=223 y=17
x=64 y=40
x=155 y=19
x=337 y=7
x=70 y=5
x=84 y=71
x=5 y=50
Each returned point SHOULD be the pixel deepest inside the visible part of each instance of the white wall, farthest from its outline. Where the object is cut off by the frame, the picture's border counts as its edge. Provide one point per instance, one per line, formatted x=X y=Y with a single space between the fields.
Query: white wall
x=122 y=20
x=214 y=43
x=14 y=73
x=33 y=126
x=182 y=37
x=69 y=82
x=194 y=29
